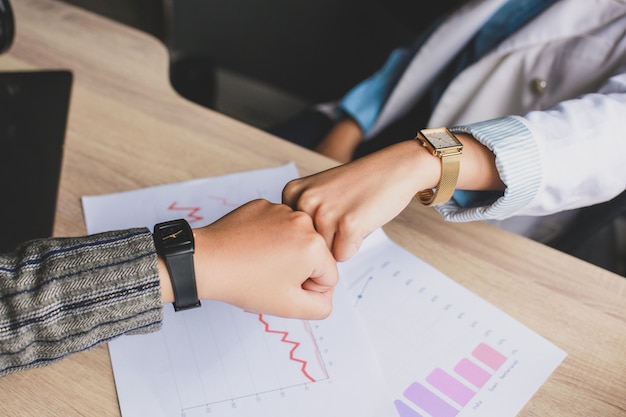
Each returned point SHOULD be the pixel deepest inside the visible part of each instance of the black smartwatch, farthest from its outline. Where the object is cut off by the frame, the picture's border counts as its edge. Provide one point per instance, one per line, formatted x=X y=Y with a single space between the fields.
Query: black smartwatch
x=174 y=242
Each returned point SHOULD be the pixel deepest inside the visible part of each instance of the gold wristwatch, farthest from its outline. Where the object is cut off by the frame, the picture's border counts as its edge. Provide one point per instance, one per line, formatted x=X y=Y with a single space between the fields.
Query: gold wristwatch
x=442 y=143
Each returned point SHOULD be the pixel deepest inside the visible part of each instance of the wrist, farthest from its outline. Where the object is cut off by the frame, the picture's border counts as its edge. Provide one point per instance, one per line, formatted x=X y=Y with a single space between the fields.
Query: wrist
x=446 y=147
x=478 y=166
x=167 y=292
x=419 y=164
x=204 y=265
x=341 y=142
x=209 y=264
x=174 y=243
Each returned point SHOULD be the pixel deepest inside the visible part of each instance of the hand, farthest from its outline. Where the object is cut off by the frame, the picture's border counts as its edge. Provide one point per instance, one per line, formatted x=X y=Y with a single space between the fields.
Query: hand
x=266 y=258
x=350 y=201
x=341 y=142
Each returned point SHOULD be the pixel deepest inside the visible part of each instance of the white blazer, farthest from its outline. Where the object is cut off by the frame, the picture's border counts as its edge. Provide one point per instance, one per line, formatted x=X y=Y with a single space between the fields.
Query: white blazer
x=564 y=73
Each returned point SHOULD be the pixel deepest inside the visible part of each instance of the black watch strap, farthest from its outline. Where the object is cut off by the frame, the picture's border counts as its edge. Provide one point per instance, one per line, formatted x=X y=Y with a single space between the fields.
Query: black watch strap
x=181 y=271
x=174 y=242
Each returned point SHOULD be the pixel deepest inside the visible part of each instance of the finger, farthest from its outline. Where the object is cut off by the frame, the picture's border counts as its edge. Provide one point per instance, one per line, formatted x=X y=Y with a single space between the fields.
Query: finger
x=325 y=273
x=313 y=305
x=345 y=246
x=311 y=285
x=324 y=227
x=329 y=238
x=291 y=194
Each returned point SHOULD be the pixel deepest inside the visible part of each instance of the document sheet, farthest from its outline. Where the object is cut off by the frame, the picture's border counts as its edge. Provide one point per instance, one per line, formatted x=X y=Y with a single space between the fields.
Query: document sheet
x=403 y=340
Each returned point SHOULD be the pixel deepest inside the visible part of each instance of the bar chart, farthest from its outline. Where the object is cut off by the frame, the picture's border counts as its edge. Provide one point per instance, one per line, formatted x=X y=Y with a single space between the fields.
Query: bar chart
x=403 y=339
x=433 y=396
x=445 y=352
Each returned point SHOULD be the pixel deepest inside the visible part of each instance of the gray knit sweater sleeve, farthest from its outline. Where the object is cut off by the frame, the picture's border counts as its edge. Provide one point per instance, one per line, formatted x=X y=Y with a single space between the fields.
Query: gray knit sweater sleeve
x=59 y=296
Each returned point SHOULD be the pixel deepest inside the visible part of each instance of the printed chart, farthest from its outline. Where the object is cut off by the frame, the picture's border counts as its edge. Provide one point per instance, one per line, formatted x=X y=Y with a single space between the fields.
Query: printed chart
x=200 y=201
x=460 y=387
x=445 y=351
x=219 y=360
x=403 y=340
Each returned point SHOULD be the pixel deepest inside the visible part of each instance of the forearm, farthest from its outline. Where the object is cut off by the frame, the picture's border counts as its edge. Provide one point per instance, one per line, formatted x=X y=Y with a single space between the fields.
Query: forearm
x=477 y=172
x=409 y=161
x=342 y=140
x=349 y=201
x=61 y=296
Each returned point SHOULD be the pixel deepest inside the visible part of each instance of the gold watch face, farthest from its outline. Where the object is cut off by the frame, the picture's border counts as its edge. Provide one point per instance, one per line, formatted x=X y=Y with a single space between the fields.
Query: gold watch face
x=440 y=138
x=443 y=144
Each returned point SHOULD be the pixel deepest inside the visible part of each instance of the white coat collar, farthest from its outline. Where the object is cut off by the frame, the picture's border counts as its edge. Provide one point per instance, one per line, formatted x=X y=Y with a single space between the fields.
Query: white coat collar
x=563 y=19
x=436 y=52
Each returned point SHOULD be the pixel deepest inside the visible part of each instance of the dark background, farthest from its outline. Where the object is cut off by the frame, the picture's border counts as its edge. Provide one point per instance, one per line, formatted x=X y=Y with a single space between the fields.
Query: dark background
x=261 y=61
x=264 y=61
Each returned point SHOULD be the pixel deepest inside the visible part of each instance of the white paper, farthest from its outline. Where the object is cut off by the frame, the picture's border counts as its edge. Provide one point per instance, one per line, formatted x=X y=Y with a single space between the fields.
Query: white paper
x=219 y=360
x=403 y=340
x=439 y=344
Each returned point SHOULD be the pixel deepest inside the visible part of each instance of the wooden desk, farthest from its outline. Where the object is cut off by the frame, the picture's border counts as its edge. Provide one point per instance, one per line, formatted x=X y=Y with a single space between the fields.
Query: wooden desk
x=128 y=129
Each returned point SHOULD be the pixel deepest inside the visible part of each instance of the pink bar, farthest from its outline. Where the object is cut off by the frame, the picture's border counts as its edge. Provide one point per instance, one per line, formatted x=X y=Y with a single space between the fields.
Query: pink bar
x=489 y=356
x=447 y=384
x=472 y=372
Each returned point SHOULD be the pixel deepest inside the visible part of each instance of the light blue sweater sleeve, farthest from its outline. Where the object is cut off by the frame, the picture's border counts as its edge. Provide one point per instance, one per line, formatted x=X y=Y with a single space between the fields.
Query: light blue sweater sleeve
x=518 y=161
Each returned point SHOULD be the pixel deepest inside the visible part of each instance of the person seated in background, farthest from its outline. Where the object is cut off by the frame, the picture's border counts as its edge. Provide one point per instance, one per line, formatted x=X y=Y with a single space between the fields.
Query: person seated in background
x=59 y=296
x=534 y=91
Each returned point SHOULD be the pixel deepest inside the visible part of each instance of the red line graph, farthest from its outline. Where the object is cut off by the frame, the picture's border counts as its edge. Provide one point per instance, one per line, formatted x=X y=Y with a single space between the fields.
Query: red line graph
x=191 y=212
x=222 y=200
x=285 y=340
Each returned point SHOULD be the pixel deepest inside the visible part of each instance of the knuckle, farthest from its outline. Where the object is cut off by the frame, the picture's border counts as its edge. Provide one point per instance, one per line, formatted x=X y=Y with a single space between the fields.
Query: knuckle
x=348 y=225
x=313 y=244
x=301 y=220
x=324 y=311
x=324 y=218
x=308 y=201
x=290 y=191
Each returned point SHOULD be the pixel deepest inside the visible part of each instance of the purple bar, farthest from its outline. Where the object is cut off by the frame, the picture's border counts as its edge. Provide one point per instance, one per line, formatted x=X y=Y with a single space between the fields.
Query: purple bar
x=472 y=372
x=489 y=356
x=429 y=402
x=447 y=384
x=405 y=411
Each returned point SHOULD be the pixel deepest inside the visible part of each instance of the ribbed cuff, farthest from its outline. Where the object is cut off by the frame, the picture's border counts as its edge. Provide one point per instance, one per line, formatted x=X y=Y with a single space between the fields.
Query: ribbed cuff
x=518 y=161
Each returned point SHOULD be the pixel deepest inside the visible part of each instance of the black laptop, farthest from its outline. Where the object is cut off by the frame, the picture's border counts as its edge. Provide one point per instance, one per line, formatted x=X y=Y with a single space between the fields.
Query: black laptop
x=34 y=108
